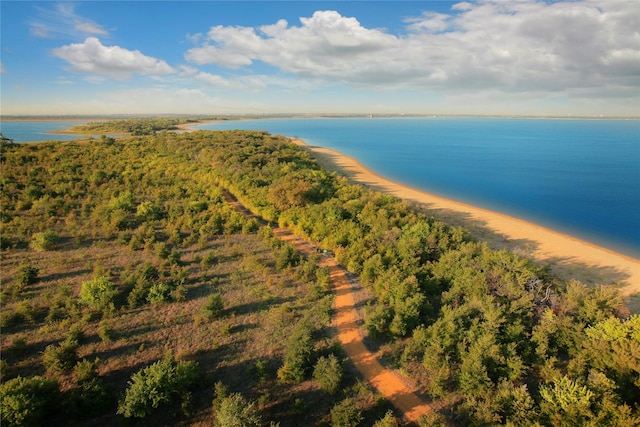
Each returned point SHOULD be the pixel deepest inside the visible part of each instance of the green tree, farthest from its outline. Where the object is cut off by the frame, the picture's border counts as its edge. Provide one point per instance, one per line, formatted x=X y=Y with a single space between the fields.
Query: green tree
x=44 y=241
x=566 y=402
x=27 y=401
x=345 y=414
x=297 y=354
x=287 y=257
x=60 y=358
x=147 y=211
x=389 y=420
x=328 y=373
x=27 y=274
x=288 y=192
x=159 y=292
x=213 y=306
x=236 y=411
x=98 y=293
x=156 y=385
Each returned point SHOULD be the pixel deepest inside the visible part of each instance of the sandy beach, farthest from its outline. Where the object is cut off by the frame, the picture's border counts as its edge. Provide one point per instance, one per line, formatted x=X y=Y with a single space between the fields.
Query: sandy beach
x=568 y=256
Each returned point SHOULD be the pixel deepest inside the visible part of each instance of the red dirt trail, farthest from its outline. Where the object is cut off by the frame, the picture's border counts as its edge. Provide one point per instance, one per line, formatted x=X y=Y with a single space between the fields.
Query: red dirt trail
x=390 y=384
x=387 y=382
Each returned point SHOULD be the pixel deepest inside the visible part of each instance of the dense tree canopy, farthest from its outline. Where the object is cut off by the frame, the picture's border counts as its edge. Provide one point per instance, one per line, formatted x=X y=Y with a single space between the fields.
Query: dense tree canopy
x=489 y=330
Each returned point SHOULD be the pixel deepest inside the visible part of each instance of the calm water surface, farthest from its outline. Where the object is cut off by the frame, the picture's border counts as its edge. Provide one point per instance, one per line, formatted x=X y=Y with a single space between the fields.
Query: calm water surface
x=580 y=177
x=26 y=131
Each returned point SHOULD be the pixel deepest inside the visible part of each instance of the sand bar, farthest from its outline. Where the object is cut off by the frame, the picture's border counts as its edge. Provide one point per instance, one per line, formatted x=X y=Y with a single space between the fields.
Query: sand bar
x=568 y=256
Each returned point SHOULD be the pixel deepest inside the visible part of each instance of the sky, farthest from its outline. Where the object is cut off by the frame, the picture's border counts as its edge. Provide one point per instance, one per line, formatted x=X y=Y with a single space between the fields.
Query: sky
x=520 y=57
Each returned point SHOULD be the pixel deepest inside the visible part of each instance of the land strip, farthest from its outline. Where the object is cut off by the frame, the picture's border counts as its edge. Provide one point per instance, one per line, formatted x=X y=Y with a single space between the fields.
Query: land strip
x=396 y=388
x=567 y=256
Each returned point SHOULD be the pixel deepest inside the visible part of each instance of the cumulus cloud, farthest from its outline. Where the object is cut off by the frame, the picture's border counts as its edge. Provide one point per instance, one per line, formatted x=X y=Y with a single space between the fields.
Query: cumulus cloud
x=521 y=46
x=92 y=57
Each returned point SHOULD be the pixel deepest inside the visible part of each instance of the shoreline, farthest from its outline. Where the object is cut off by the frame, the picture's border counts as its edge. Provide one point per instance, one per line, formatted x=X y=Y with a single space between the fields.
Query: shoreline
x=567 y=256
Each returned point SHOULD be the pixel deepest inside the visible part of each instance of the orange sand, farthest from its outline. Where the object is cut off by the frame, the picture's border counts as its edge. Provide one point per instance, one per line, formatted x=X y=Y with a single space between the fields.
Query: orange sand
x=398 y=389
x=568 y=257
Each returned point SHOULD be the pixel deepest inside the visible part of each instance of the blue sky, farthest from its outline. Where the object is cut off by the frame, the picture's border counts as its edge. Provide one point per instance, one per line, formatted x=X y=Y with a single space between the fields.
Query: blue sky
x=216 y=57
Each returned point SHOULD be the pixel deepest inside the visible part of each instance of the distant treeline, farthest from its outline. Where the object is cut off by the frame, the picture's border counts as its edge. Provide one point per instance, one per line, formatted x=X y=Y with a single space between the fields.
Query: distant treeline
x=136 y=126
x=489 y=334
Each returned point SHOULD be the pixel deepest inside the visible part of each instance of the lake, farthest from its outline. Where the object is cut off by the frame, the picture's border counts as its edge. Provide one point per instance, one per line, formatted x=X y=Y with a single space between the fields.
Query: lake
x=580 y=177
x=28 y=131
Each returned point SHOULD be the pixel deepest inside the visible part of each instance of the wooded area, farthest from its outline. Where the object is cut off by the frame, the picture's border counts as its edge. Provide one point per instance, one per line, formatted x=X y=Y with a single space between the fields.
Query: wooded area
x=123 y=266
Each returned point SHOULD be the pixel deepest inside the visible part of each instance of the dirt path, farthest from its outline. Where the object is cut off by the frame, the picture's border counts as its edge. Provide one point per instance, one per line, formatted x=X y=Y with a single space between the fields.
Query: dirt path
x=391 y=384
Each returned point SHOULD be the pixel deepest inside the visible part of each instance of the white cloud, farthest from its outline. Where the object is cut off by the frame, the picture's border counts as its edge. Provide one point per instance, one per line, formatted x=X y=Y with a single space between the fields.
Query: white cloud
x=92 y=57
x=326 y=44
x=238 y=83
x=214 y=81
x=188 y=71
x=429 y=21
x=90 y=28
x=212 y=54
x=513 y=47
x=63 y=20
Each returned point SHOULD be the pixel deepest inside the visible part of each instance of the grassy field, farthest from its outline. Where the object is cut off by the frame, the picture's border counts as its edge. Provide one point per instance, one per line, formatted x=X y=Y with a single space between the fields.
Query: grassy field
x=156 y=229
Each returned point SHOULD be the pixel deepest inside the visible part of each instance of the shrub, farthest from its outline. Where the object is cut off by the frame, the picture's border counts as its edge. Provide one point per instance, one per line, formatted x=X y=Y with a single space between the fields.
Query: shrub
x=85 y=370
x=25 y=401
x=156 y=385
x=220 y=393
x=124 y=201
x=328 y=373
x=105 y=332
x=147 y=211
x=24 y=310
x=174 y=257
x=345 y=414
x=297 y=353
x=179 y=293
x=138 y=294
x=235 y=411
x=389 y=420
x=98 y=293
x=161 y=250
x=27 y=274
x=93 y=396
x=209 y=259
x=44 y=241
x=288 y=257
x=60 y=358
x=566 y=402
x=323 y=277
x=213 y=306
x=56 y=313
x=159 y=292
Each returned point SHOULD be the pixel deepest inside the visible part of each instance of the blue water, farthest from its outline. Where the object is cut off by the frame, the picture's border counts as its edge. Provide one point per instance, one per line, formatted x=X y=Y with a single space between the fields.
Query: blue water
x=36 y=131
x=580 y=177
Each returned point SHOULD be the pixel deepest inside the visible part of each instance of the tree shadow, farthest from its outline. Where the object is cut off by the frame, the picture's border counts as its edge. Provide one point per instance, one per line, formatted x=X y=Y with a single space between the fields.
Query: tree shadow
x=61 y=276
x=258 y=306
